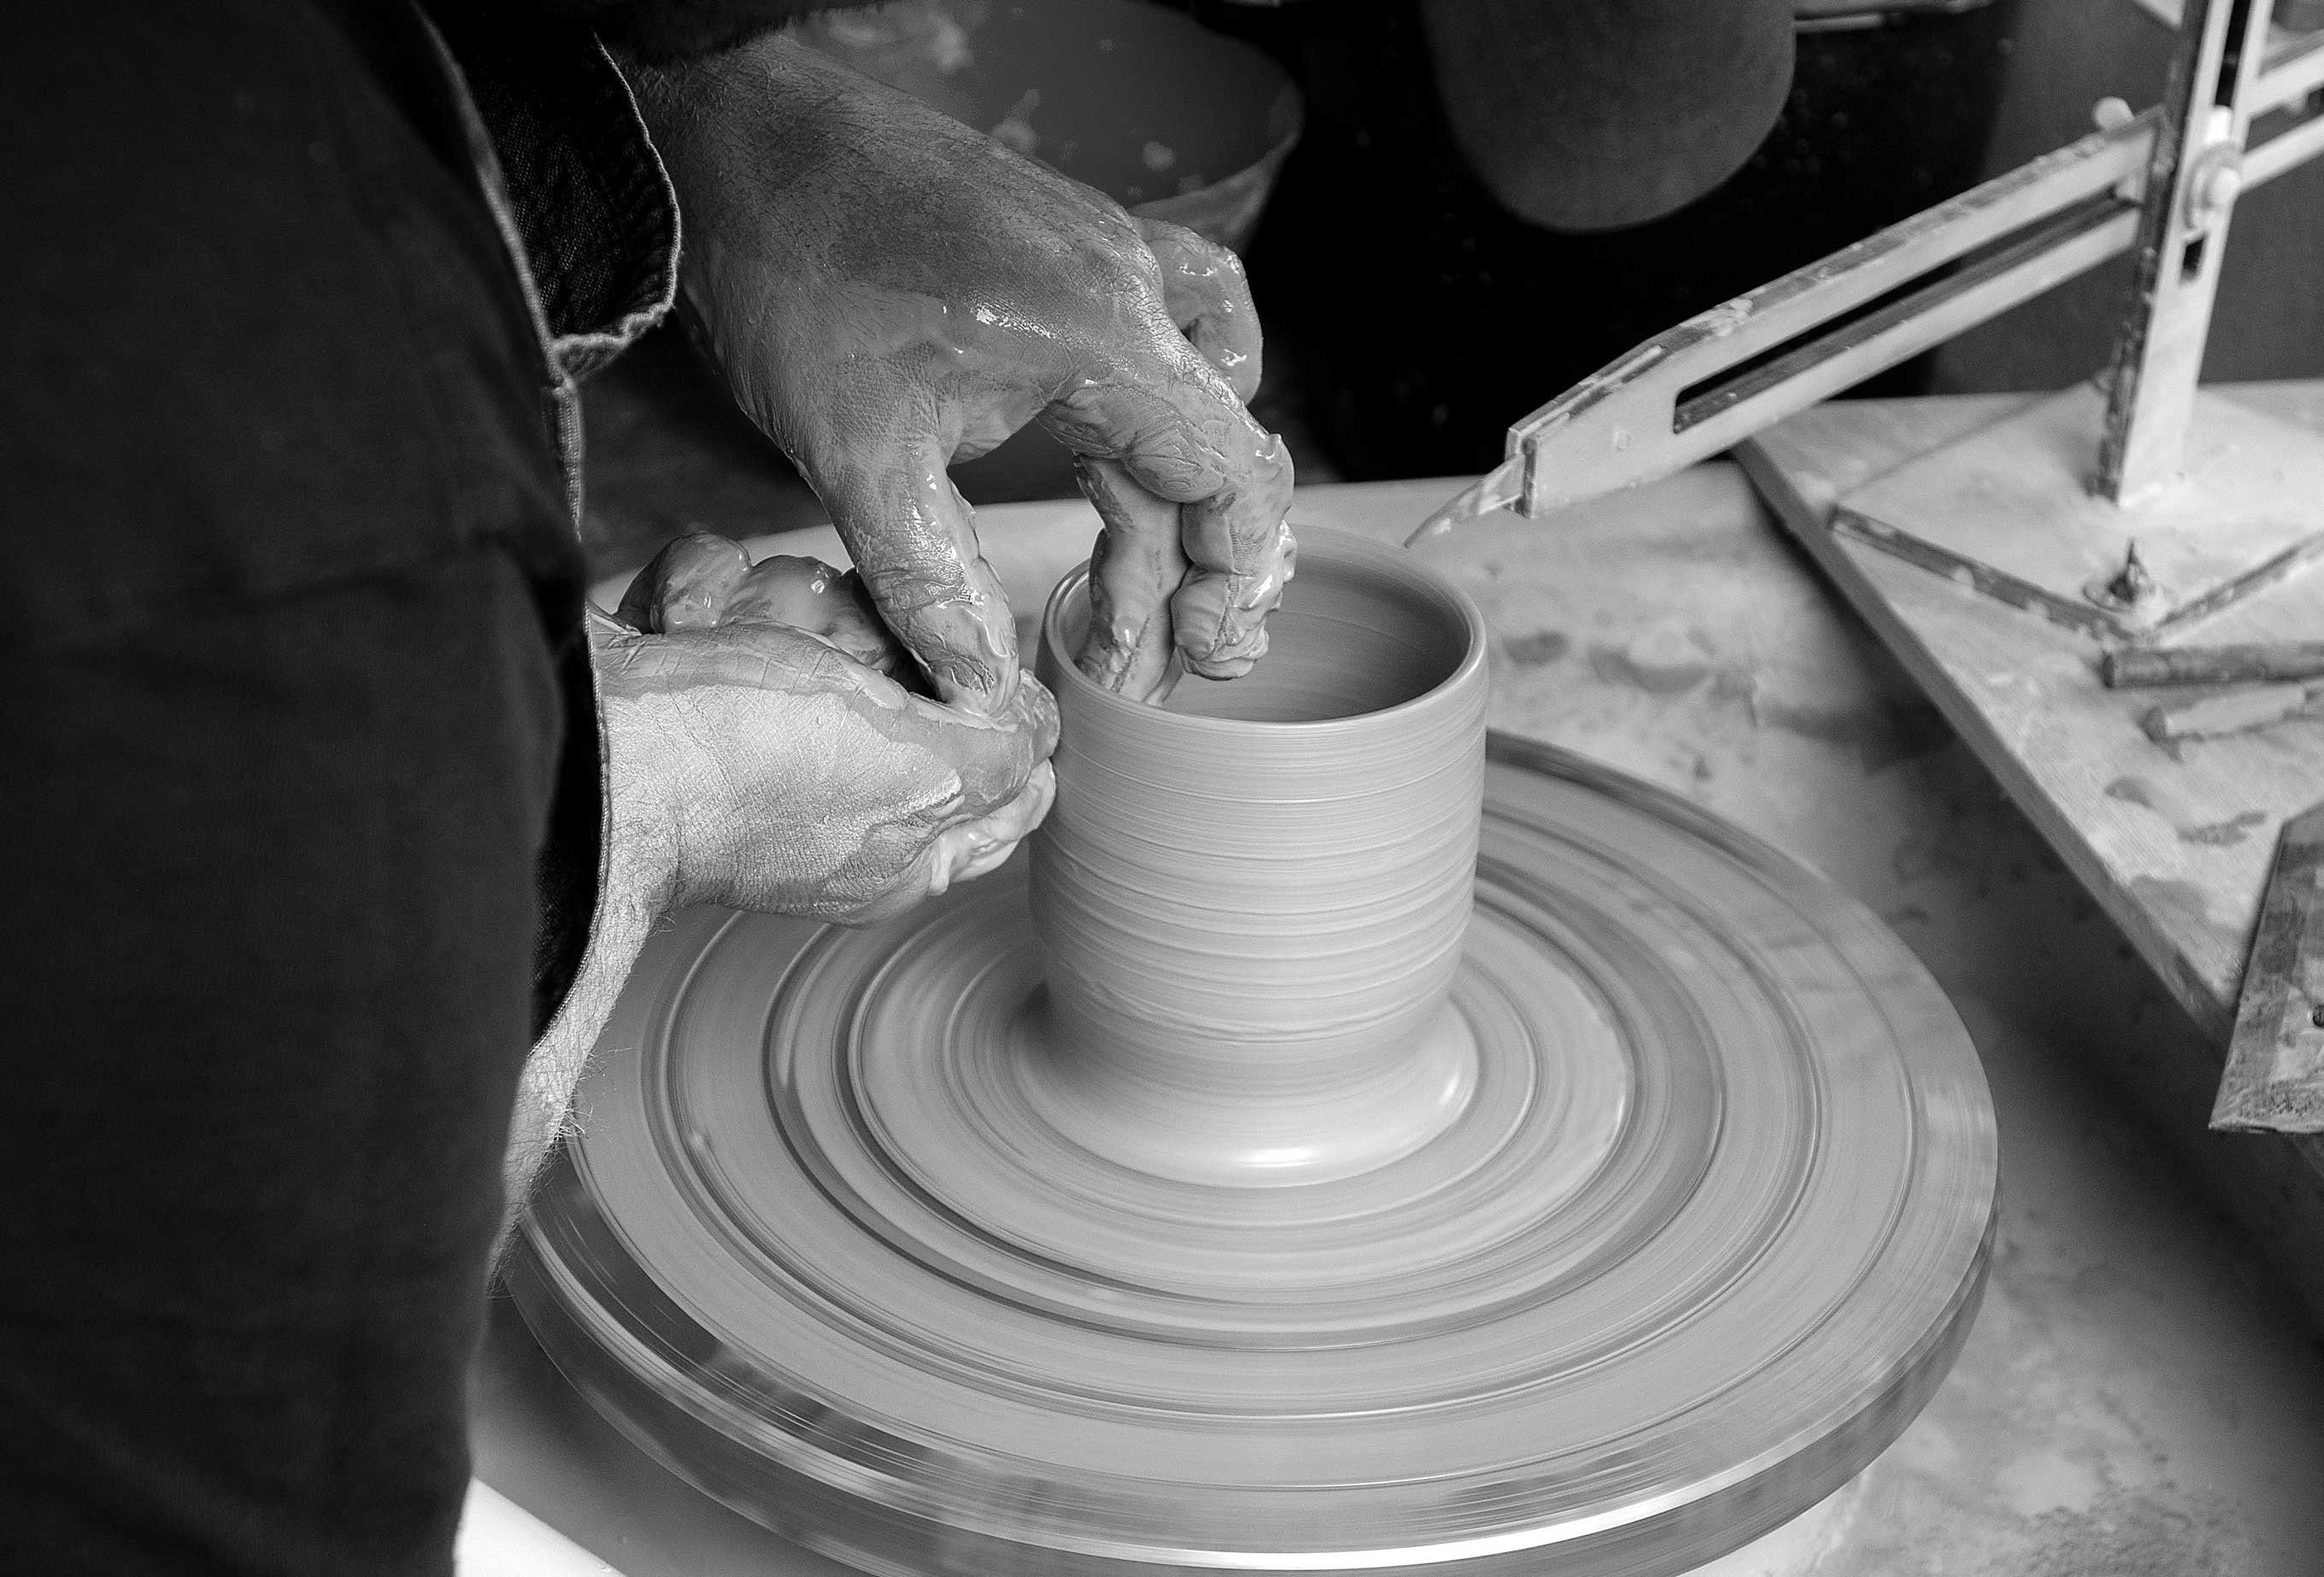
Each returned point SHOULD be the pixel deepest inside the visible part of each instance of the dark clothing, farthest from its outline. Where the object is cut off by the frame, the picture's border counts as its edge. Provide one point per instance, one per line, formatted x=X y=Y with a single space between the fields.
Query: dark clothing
x=295 y=708
x=667 y=29
x=268 y=937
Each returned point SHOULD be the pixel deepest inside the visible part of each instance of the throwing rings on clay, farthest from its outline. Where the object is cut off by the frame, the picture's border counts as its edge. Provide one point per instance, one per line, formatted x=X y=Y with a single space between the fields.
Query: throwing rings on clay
x=1686 y=1220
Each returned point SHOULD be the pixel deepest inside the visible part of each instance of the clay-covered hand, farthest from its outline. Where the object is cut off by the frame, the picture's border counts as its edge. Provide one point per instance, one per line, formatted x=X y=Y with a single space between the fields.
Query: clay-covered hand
x=765 y=765
x=702 y=579
x=888 y=291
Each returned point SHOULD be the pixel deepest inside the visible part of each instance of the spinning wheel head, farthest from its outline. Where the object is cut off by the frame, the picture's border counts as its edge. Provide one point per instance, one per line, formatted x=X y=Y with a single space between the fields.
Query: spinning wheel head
x=1630 y=1233
x=1251 y=904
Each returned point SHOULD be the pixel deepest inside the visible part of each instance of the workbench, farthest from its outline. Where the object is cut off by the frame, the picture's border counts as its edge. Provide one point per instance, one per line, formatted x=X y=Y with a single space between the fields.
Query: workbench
x=2143 y=1391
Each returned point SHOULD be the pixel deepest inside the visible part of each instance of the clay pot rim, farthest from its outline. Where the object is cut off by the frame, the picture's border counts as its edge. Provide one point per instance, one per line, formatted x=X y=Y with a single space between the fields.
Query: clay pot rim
x=1336 y=543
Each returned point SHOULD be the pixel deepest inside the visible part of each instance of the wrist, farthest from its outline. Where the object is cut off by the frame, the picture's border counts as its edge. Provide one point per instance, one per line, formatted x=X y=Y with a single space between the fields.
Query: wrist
x=771 y=82
x=643 y=856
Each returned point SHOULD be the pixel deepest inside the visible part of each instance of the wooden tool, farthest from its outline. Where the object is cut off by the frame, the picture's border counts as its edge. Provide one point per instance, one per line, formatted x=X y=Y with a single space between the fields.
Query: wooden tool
x=2133 y=667
x=2120 y=513
x=2276 y=1062
x=2234 y=712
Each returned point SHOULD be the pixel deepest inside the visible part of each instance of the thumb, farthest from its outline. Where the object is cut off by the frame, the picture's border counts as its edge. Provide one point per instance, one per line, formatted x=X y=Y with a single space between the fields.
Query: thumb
x=994 y=755
x=913 y=539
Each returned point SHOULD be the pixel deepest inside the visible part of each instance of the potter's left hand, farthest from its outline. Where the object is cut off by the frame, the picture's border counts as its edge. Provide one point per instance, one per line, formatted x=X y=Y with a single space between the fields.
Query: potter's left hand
x=888 y=291
x=758 y=758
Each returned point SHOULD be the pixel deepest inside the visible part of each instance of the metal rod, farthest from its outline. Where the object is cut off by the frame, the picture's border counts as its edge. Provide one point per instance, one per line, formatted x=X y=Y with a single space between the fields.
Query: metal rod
x=2190 y=189
x=2291 y=74
x=2285 y=150
x=2049 y=220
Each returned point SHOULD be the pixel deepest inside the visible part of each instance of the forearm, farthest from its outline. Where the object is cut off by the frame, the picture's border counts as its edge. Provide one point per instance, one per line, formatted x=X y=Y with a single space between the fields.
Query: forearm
x=760 y=99
x=773 y=148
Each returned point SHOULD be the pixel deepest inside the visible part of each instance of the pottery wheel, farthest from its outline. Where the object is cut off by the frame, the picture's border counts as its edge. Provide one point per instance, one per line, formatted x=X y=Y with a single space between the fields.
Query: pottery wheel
x=1707 y=1228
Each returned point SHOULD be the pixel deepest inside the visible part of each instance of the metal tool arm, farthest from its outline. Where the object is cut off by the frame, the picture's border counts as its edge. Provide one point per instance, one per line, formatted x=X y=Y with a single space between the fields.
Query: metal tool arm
x=1719 y=377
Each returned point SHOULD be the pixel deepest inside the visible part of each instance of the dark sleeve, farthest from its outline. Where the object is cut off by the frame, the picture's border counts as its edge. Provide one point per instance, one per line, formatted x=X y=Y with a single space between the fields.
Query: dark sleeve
x=591 y=202
x=590 y=199
x=569 y=870
x=663 y=30
x=653 y=30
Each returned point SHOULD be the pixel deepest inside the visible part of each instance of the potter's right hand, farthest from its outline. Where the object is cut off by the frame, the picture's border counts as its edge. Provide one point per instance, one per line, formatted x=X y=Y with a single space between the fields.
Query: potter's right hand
x=888 y=291
x=768 y=767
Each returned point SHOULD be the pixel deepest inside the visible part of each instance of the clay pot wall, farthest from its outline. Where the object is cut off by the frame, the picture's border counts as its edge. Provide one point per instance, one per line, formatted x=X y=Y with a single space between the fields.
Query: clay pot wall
x=1252 y=899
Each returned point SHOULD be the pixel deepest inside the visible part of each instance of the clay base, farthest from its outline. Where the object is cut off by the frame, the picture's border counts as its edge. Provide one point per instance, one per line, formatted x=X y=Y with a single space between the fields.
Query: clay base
x=1702 y=1236
x=1051 y=1084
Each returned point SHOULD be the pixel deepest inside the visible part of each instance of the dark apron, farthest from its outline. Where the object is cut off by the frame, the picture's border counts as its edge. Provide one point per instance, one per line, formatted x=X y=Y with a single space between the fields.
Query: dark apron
x=292 y=677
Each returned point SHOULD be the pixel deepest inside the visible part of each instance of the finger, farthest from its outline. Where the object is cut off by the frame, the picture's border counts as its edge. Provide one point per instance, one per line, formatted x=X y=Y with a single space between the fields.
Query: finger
x=964 y=852
x=807 y=593
x=913 y=539
x=1135 y=567
x=857 y=630
x=992 y=756
x=1000 y=801
x=687 y=585
x=1180 y=434
x=1218 y=615
x=1206 y=295
x=782 y=588
x=980 y=847
x=745 y=656
x=961 y=795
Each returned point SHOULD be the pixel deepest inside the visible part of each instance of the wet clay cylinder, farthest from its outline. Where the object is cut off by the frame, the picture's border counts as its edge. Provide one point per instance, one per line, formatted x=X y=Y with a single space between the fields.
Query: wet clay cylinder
x=1251 y=900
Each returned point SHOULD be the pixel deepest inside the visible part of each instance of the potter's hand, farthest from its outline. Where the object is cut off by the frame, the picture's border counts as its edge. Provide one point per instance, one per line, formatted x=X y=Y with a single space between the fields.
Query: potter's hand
x=755 y=746
x=756 y=756
x=888 y=291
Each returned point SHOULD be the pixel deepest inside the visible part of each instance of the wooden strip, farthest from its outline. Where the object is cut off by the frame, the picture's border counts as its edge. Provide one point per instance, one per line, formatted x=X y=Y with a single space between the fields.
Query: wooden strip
x=2235 y=712
x=2140 y=667
x=2075 y=613
x=2275 y=1077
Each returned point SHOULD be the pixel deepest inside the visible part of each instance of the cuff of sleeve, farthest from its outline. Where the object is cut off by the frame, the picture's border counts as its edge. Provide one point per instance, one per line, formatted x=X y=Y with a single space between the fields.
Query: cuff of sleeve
x=589 y=196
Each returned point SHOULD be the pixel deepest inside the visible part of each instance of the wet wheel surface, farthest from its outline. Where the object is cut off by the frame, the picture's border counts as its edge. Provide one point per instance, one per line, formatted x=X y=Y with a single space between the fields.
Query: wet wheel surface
x=1704 y=1229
